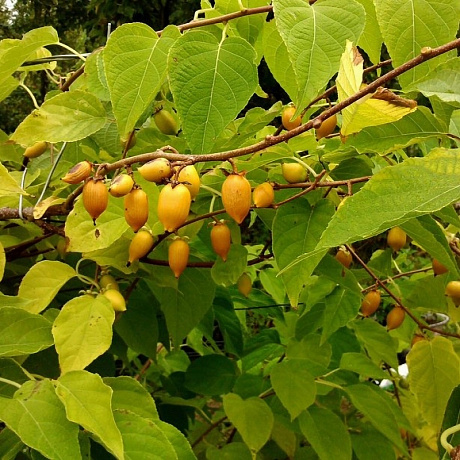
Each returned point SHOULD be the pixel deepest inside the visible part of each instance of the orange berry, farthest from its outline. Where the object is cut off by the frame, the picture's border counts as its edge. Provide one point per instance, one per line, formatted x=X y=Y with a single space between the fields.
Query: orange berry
x=344 y=257
x=173 y=206
x=294 y=172
x=221 y=239
x=395 y=318
x=95 y=198
x=136 y=208
x=263 y=195
x=396 y=238
x=140 y=246
x=327 y=127
x=244 y=284
x=78 y=173
x=370 y=303
x=236 y=196
x=438 y=267
x=121 y=185
x=286 y=116
x=189 y=174
x=178 y=254
x=156 y=170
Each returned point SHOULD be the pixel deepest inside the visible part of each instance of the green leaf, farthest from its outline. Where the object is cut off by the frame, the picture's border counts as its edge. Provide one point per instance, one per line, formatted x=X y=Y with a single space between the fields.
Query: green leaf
x=138 y=326
x=434 y=371
x=368 y=441
x=11 y=370
x=443 y=82
x=277 y=58
x=252 y=418
x=2 y=261
x=143 y=439
x=178 y=441
x=315 y=38
x=8 y=86
x=227 y=273
x=10 y=444
x=42 y=282
x=135 y=65
x=185 y=304
x=96 y=80
x=294 y=385
x=361 y=215
x=68 y=117
x=37 y=416
x=375 y=339
x=326 y=433
x=309 y=349
x=23 y=333
x=428 y=234
x=362 y=365
x=342 y=305
x=88 y=402
x=229 y=452
x=229 y=324
x=451 y=418
x=367 y=398
x=8 y=185
x=409 y=25
x=211 y=375
x=410 y=130
x=130 y=395
x=14 y=55
x=379 y=108
x=211 y=82
x=297 y=228
x=83 y=331
x=371 y=38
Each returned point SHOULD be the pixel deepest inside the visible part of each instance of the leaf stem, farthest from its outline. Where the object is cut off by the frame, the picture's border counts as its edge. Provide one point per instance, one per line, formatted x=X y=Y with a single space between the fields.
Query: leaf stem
x=443 y=439
x=10 y=382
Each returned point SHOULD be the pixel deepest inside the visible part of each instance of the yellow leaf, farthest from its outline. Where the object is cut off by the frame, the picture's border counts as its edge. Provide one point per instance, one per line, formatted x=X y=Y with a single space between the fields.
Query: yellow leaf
x=375 y=109
x=41 y=207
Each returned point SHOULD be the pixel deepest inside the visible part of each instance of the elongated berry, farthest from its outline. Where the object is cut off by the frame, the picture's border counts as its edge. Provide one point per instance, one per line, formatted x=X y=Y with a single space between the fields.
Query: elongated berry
x=370 y=303
x=178 y=254
x=173 y=206
x=244 y=284
x=121 y=185
x=221 y=239
x=190 y=175
x=236 y=196
x=36 y=150
x=78 y=173
x=140 y=246
x=263 y=195
x=396 y=238
x=95 y=198
x=395 y=318
x=156 y=170
x=136 y=208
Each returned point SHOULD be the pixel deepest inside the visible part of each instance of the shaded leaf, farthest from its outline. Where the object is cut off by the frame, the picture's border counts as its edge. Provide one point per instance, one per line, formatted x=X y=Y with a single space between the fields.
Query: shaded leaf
x=252 y=418
x=8 y=185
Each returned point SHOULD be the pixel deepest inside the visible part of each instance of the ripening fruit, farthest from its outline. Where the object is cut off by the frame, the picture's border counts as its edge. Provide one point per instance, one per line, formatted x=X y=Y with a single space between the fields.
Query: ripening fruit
x=156 y=170
x=244 y=284
x=221 y=239
x=344 y=257
x=116 y=299
x=263 y=195
x=417 y=338
x=173 y=206
x=370 y=303
x=327 y=127
x=236 y=196
x=165 y=122
x=121 y=185
x=178 y=253
x=61 y=247
x=453 y=291
x=396 y=238
x=136 y=208
x=36 y=150
x=294 y=172
x=189 y=174
x=108 y=282
x=140 y=246
x=95 y=198
x=438 y=267
x=286 y=116
x=395 y=318
x=78 y=173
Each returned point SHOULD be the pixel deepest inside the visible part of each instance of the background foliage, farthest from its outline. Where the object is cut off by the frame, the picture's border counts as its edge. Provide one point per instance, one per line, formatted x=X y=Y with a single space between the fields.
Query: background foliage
x=197 y=367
